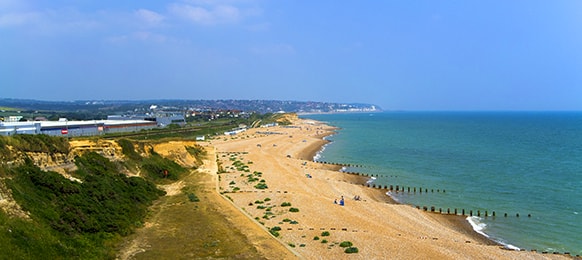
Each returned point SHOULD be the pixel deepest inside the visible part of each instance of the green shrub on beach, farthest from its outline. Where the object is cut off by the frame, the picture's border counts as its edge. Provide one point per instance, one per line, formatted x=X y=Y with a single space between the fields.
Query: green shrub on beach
x=351 y=250
x=293 y=210
x=261 y=186
x=325 y=234
x=346 y=244
x=286 y=204
x=274 y=233
x=315 y=238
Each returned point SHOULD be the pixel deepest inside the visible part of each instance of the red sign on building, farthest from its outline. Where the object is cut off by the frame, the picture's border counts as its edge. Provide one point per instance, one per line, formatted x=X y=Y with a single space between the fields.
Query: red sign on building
x=64 y=131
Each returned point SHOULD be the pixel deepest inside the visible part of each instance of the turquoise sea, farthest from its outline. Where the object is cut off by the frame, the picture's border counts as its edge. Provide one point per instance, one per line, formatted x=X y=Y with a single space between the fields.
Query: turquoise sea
x=526 y=163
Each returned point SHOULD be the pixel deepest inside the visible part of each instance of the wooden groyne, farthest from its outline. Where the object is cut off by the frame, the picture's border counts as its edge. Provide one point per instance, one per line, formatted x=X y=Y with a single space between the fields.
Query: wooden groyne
x=341 y=164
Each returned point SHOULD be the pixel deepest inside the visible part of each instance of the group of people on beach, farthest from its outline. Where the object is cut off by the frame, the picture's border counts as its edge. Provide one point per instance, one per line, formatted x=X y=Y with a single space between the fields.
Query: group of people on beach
x=341 y=202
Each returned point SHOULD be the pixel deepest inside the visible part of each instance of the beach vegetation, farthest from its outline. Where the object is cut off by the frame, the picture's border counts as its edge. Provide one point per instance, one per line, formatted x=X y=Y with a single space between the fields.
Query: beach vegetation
x=315 y=238
x=274 y=233
x=346 y=244
x=293 y=210
x=259 y=202
x=267 y=199
x=291 y=244
x=351 y=250
x=235 y=189
x=232 y=183
x=294 y=222
x=324 y=241
x=261 y=207
x=286 y=204
x=261 y=186
x=276 y=228
x=302 y=245
x=325 y=233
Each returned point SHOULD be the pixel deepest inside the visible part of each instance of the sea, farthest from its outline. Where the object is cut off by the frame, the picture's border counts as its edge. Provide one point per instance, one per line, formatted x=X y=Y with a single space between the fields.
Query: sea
x=524 y=166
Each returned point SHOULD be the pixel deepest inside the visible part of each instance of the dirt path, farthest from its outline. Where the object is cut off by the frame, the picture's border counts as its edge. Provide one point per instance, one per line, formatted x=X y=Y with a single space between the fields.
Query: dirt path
x=211 y=228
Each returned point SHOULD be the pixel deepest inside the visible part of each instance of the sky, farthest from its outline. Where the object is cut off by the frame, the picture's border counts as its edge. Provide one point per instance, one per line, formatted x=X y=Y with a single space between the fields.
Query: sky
x=399 y=55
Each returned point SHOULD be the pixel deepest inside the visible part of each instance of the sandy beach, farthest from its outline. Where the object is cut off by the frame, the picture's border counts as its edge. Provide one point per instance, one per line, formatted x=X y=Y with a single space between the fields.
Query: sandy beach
x=265 y=172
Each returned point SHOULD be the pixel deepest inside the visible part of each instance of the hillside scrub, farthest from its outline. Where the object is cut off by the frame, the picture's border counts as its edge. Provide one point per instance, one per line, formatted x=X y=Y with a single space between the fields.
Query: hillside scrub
x=31 y=143
x=158 y=168
x=74 y=219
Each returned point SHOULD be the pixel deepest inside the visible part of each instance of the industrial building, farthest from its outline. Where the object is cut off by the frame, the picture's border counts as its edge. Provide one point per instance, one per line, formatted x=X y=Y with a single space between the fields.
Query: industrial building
x=67 y=128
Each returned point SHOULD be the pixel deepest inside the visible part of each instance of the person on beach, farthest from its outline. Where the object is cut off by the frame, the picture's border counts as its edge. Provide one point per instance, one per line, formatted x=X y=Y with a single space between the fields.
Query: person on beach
x=342 y=201
x=335 y=201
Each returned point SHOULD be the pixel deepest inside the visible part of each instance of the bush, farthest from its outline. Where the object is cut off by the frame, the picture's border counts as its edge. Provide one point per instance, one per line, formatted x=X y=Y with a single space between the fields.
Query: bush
x=351 y=250
x=286 y=204
x=325 y=234
x=155 y=167
x=324 y=241
x=346 y=244
x=293 y=210
x=274 y=233
x=276 y=228
x=128 y=150
x=193 y=198
x=261 y=186
x=315 y=238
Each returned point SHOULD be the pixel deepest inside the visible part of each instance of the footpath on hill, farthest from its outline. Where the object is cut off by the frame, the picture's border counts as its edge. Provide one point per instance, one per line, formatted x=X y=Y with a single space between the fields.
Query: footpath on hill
x=194 y=221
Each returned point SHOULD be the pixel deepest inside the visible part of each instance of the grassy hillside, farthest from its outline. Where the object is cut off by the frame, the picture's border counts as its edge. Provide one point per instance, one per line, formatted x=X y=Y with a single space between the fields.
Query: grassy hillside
x=72 y=219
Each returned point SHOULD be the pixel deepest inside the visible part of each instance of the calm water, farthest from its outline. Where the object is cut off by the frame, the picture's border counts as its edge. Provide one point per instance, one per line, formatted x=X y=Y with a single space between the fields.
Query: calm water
x=508 y=162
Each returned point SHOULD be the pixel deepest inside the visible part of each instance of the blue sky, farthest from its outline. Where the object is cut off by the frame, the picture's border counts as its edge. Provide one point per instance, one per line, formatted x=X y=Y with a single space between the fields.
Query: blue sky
x=400 y=55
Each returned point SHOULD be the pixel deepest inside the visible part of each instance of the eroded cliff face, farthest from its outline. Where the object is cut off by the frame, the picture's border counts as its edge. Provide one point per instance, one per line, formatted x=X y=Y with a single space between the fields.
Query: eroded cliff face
x=63 y=163
x=177 y=152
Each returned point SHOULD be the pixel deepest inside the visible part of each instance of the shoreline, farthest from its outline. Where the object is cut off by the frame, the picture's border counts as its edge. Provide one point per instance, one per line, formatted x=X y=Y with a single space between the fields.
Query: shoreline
x=456 y=222
x=376 y=224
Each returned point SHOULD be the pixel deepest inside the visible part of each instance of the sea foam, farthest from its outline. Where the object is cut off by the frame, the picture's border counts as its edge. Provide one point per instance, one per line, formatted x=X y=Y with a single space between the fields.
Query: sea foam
x=477 y=225
x=480 y=227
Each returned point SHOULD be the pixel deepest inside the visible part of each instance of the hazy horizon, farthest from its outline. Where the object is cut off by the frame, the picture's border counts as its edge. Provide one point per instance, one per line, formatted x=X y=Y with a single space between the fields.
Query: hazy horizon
x=410 y=56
